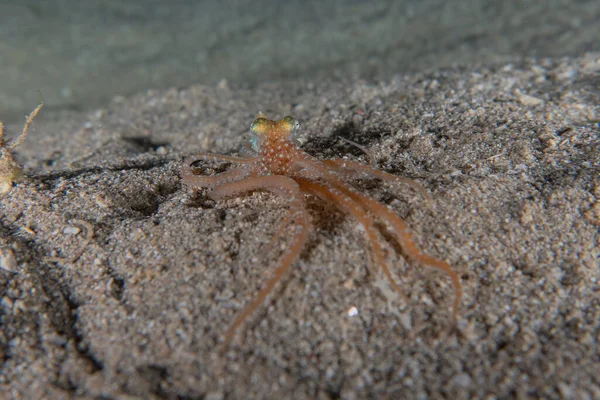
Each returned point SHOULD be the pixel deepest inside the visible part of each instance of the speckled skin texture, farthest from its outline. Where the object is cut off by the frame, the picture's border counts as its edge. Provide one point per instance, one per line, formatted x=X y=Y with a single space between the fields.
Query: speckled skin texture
x=510 y=155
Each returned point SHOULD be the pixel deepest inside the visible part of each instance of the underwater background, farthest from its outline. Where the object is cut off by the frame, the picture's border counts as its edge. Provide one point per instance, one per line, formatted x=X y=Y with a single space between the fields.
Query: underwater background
x=80 y=54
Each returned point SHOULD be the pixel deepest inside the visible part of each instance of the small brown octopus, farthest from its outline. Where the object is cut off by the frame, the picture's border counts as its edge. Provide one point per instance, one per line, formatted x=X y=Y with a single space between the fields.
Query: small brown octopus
x=282 y=168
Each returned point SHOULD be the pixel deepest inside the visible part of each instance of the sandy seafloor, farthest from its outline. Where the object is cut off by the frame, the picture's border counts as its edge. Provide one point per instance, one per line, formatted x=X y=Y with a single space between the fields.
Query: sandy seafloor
x=510 y=154
x=493 y=106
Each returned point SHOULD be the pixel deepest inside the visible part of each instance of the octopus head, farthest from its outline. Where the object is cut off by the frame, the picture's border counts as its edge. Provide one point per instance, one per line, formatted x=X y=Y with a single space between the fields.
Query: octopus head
x=263 y=129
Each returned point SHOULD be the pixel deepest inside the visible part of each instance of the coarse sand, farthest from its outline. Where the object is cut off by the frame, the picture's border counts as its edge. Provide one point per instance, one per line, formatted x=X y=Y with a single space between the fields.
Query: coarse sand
x=510 y=154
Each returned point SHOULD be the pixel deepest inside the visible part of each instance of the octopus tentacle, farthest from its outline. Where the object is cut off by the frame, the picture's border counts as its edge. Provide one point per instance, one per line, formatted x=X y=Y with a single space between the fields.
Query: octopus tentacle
x=362 y=148
x=404 y=238
x=355 y=209
x=287 y=188
x=199 y=181
x=399 y=228
x=353 y=169
x=204 y=156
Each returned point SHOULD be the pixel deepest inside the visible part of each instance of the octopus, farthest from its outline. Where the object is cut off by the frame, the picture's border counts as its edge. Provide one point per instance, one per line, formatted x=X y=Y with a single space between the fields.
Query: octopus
x=280 y=167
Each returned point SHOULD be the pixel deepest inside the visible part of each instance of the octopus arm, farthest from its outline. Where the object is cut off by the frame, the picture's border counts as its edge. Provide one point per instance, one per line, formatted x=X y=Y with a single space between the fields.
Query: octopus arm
x=353 y=170
x=199 y=181
x=220 y=157
x=300 y=229
x=403 y=237
x=340 y=197
x=399 y=229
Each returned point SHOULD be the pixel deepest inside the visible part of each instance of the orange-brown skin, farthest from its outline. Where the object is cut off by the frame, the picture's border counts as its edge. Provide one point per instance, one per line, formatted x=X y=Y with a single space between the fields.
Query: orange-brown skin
x=282 y=168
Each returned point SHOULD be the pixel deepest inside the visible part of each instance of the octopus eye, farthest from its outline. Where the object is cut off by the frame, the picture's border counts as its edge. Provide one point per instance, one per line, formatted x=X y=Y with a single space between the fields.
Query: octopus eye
x=258 y=126
x=292 y=123
x=295 y=128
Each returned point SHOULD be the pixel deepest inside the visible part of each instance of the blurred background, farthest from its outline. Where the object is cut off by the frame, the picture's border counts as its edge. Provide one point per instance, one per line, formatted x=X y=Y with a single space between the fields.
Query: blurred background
x=80 y=54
